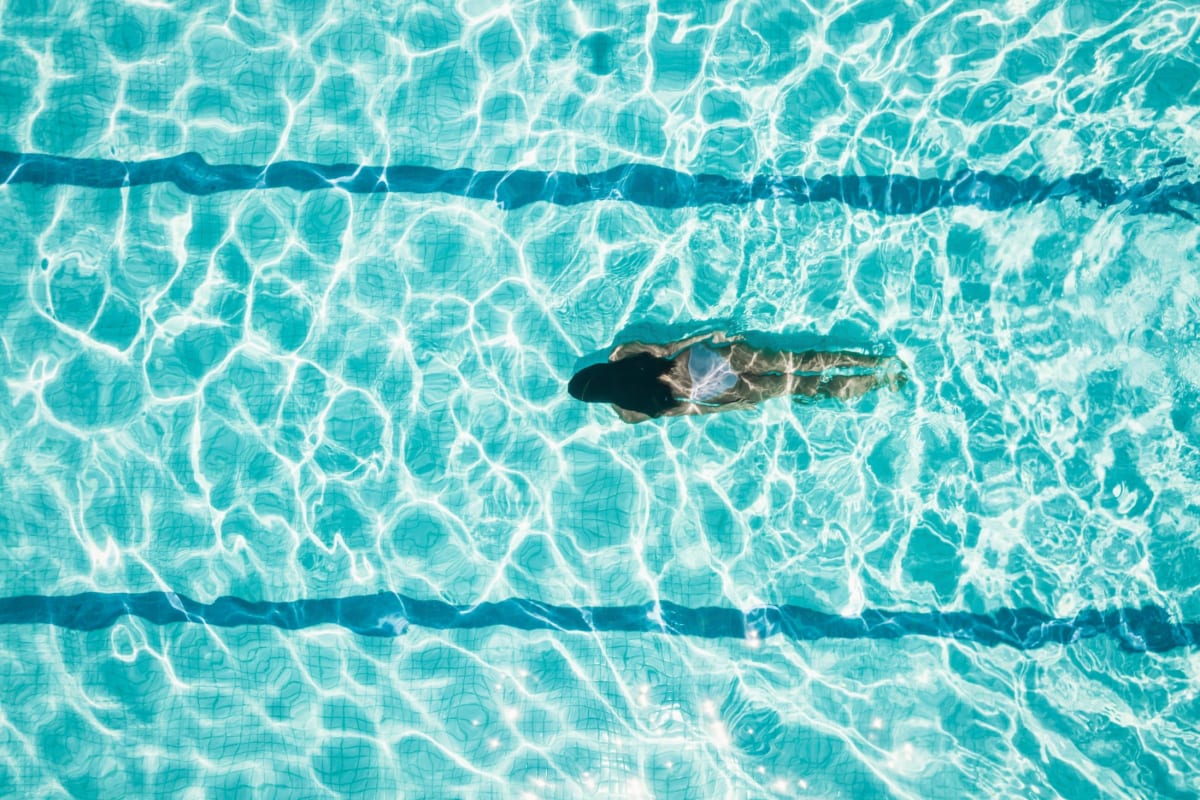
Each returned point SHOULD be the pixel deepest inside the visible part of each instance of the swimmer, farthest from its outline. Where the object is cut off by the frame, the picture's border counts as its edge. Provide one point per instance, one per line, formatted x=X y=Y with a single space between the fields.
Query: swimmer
x=714 y=372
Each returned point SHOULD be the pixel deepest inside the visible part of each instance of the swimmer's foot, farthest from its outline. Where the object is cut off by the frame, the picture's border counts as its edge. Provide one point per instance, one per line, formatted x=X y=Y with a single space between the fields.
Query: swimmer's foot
x=895 y=374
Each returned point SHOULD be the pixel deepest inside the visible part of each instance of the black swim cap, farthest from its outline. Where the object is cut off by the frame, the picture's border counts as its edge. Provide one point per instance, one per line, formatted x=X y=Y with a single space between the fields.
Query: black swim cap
x=580 y=383
x=631 y=383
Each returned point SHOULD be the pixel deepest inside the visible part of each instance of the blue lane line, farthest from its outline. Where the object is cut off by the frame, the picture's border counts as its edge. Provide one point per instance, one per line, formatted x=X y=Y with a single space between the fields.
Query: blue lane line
x=1149 y=628
x=643 y=184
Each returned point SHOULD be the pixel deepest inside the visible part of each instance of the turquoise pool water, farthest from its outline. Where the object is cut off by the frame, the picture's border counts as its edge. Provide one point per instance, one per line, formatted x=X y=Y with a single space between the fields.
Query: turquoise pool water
x=277 y=395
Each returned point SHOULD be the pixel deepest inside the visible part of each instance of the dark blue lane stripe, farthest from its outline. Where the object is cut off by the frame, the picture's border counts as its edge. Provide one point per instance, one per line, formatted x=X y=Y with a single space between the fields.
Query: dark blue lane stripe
x=644 y=184
x=1149 y=628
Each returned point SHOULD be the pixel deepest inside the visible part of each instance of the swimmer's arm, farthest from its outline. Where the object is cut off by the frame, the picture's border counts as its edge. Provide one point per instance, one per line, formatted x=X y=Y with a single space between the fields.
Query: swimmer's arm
x=716 y=337
x=670 y=350
x=739 y=405
x=633 y=348
x=632 y=417
x=685 y=409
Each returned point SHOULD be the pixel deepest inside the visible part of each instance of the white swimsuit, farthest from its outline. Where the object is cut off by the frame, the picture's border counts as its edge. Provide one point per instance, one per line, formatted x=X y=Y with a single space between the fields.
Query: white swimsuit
x=711 y=374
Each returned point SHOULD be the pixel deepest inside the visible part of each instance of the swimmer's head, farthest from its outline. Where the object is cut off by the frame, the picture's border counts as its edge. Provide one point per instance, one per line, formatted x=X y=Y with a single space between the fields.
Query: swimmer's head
x=631 y=383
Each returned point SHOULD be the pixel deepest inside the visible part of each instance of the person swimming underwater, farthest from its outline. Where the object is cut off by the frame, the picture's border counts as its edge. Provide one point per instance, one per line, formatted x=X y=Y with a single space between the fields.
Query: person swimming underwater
x=713 y=372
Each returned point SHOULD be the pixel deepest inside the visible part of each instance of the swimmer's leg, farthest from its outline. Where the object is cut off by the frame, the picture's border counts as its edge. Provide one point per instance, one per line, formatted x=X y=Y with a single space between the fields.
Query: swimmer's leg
x=818 y=361
x=843 y=387
x=747 y=360
x=752 y=389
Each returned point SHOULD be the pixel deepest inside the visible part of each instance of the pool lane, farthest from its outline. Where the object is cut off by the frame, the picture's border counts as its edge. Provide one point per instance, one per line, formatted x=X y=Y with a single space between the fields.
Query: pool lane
x=1146 y=629
x=643 y=184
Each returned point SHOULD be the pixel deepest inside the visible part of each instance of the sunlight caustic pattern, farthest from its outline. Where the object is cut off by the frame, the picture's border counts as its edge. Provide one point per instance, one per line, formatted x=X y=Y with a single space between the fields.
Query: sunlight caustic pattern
x=277 y=395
